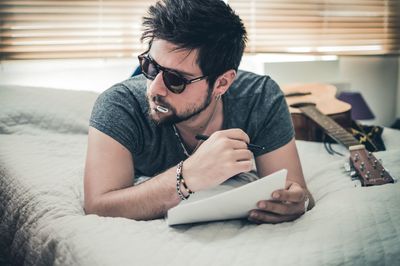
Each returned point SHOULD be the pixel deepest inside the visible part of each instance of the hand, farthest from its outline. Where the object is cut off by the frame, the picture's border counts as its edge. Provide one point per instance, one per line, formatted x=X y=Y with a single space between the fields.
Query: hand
x=223 y=155
x=287 y=205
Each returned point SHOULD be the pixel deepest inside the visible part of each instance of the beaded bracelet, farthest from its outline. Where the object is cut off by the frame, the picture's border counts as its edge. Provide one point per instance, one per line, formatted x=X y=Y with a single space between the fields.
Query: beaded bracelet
x=180 y=180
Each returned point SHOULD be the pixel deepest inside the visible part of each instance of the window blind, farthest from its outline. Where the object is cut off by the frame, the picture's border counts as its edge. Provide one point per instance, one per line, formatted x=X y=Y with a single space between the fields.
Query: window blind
x=71 y=29
x=41 y=29
x=321 y=26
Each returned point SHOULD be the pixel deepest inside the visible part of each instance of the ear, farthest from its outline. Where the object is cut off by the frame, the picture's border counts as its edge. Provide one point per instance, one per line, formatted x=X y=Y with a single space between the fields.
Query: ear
x=223 y=82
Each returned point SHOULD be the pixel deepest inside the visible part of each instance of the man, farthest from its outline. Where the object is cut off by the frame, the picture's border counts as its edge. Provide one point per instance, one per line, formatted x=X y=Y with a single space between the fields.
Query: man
x=190 y=85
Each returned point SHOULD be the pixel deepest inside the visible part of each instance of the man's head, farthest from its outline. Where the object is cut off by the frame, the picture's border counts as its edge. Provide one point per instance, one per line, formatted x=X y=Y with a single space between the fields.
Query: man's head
x=209 y=26
x=202 y=41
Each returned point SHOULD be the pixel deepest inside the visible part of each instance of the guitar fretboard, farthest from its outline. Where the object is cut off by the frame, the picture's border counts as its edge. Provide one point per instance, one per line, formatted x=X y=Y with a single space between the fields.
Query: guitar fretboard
x=333 y=129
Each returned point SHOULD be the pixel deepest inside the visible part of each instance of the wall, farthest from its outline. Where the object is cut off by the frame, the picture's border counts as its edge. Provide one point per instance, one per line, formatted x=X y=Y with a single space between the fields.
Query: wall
x=73 y=74
x=398 y=91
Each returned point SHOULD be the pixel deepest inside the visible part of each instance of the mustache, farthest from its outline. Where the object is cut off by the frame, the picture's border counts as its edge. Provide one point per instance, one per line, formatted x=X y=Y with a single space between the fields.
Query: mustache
x=160 y=101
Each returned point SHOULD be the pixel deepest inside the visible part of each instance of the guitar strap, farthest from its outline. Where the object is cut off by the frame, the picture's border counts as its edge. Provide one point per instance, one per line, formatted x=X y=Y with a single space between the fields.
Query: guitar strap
x=370 y=136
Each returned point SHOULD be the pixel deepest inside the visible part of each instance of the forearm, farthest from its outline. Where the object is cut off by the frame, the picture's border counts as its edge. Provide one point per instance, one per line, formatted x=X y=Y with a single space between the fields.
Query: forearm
x=146 y=201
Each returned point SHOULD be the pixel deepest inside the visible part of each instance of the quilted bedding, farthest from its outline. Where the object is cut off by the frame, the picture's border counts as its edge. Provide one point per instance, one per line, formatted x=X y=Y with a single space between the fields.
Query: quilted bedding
x=42 y=152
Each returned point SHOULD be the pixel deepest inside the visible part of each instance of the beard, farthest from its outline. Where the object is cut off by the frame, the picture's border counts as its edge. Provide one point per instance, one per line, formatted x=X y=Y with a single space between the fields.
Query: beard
x=174 y=117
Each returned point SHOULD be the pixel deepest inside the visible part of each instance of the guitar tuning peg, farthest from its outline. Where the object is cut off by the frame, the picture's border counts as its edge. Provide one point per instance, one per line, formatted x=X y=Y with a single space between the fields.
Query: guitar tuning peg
x=367 y=175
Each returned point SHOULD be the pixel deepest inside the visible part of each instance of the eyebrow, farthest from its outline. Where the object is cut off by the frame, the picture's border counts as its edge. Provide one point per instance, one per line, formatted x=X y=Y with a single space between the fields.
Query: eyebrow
x=172 y=69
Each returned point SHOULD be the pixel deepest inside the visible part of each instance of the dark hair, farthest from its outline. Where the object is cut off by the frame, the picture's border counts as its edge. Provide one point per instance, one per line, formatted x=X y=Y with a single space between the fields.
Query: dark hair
x=210 y=26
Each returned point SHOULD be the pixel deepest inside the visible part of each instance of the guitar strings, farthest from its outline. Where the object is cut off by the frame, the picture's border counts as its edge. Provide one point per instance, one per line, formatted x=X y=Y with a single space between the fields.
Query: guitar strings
x=329 y=148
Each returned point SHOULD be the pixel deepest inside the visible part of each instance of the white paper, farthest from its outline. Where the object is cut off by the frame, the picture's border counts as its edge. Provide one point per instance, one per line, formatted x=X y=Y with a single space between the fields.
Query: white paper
x=226 y=201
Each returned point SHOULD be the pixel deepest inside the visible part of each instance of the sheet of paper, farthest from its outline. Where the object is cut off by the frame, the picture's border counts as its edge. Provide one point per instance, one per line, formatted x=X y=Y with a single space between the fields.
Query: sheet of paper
x=226 y=201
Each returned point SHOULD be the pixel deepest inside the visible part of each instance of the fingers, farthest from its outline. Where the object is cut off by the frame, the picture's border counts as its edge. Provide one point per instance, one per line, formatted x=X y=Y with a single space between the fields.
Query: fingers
x=236 y=144
x=233 y=133
x=287 y=205
x=259 y=217
x=282 y=208
x=242 y=155
x=244 y=166
x=295 y=193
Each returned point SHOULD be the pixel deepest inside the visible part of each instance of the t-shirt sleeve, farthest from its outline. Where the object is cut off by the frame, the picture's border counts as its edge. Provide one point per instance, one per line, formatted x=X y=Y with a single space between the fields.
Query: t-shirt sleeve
x=274 y=126
x=114 y=113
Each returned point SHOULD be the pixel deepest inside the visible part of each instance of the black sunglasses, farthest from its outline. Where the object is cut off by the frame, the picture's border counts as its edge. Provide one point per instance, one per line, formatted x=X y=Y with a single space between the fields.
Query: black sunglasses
x=174 y=81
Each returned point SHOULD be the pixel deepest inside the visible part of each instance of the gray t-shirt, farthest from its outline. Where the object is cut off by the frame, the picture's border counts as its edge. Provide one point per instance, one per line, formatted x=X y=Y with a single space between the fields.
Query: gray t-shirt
x=253 y=103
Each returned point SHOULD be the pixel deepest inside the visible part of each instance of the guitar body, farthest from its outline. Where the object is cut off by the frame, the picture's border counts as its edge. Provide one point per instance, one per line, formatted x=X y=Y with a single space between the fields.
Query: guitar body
x=322 y=96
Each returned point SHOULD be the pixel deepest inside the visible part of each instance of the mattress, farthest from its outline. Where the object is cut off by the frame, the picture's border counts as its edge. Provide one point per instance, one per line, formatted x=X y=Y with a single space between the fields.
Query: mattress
x=43 y=137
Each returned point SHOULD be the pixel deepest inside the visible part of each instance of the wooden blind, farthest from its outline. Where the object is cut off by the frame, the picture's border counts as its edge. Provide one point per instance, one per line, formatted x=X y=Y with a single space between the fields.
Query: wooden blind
x=71 y=29
x=39 y=29
x=321 y=26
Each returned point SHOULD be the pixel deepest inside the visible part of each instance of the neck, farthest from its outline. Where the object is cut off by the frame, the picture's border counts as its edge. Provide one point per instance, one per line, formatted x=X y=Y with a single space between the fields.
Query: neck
x=206 y=123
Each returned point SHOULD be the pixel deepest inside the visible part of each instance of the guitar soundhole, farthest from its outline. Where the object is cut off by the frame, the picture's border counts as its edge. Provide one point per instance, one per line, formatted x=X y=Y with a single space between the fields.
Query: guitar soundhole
x=302 y=104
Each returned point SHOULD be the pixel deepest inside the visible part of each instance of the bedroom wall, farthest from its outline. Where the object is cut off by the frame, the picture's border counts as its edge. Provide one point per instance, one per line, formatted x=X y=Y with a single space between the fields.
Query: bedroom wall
x=375 y=76
x=398 y=91
x=73 y=74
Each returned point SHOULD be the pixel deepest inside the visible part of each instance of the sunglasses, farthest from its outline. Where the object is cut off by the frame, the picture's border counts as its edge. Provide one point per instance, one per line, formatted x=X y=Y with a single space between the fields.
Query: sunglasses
x=174 y=81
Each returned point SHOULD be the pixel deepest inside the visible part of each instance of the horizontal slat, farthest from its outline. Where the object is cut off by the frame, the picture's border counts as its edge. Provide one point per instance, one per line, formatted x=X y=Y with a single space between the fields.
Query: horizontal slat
x=78 y=3
x=66 y=47
x=69 y=55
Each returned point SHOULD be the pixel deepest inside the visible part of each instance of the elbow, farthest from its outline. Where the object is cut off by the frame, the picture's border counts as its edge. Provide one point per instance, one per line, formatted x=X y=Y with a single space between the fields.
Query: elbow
x=89 y=206
x=97 y=205
x=92 y=205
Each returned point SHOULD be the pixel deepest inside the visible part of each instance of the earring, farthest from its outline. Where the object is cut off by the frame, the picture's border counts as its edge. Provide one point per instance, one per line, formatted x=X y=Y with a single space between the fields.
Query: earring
x=218 y=97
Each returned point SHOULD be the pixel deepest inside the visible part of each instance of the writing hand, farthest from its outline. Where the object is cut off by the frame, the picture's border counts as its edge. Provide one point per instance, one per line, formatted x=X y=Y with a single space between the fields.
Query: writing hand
x=223 y=155
x=286 y=205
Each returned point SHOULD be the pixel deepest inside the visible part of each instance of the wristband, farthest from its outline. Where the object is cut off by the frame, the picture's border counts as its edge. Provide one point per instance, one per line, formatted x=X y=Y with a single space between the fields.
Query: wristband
x=180 y=180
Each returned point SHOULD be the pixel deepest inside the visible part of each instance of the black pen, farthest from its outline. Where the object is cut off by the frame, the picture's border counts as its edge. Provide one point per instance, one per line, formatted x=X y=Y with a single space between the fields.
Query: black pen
x=250 y=146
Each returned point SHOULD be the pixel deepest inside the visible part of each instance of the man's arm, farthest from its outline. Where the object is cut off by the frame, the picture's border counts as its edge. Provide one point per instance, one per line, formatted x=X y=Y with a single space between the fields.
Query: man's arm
x=289 y=204
x=108 y=183
x=109 y=172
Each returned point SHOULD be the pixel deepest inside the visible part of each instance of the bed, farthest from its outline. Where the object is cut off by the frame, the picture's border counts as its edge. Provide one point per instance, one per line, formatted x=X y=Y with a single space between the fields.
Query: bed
x=43 y=136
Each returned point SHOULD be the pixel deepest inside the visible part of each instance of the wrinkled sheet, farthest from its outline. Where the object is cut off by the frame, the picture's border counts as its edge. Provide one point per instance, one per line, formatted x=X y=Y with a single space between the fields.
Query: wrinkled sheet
x=43 y=136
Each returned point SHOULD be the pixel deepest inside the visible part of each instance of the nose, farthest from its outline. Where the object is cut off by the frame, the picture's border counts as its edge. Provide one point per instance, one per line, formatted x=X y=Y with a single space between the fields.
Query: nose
x=157 y=86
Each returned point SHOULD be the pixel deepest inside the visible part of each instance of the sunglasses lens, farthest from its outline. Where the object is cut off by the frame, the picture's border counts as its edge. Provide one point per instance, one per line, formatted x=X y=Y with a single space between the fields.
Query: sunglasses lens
x=149 y=68
x=174 y=82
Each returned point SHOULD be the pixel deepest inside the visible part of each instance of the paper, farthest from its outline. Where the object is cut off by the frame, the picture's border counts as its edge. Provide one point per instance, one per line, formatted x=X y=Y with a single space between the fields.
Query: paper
x=226 y=201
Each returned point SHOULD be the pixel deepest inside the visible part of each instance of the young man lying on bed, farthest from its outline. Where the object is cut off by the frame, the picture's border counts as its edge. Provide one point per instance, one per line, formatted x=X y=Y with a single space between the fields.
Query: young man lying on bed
x=147 y=125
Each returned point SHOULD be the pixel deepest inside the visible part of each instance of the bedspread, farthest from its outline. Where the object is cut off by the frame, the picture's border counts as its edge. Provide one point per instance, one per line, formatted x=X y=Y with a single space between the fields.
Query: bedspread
x=42 y=152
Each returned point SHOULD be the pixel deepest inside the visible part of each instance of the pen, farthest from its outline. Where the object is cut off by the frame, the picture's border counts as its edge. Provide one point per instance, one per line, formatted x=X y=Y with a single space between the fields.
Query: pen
x=250 y=146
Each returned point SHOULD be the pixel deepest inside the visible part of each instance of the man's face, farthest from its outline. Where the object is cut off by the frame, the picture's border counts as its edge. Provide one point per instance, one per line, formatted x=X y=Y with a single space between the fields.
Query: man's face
x=181 y=107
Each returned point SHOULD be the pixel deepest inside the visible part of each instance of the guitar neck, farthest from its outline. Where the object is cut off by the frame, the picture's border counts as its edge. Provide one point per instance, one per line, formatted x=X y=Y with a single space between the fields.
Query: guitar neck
x=333 y=129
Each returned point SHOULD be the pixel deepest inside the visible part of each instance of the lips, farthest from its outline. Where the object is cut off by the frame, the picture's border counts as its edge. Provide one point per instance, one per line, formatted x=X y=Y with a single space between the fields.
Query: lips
x=162 y=109
x=160 y=105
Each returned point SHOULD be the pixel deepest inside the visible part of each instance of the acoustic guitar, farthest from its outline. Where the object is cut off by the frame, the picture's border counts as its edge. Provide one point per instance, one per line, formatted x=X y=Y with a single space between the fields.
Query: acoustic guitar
x=317 y=103
x=322 y=96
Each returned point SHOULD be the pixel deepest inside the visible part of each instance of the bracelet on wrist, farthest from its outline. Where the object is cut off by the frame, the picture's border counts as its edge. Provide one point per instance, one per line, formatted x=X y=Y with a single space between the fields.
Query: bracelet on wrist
x=181 y=181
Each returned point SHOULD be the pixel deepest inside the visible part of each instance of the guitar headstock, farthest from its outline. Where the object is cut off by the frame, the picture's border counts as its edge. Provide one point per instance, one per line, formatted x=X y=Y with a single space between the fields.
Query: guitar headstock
x=368 y=168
